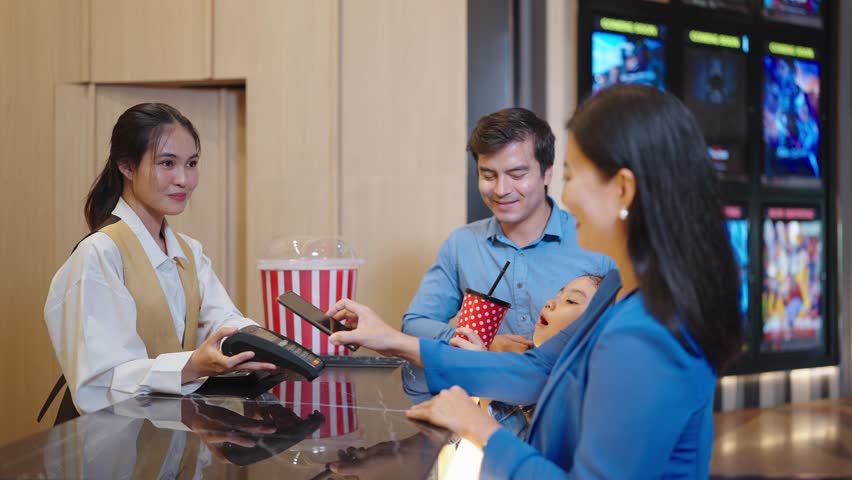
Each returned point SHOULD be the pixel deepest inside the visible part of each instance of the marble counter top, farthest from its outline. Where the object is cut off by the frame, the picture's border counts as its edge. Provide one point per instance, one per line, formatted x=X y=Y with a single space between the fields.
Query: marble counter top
x=353 y=416
x=288 y=428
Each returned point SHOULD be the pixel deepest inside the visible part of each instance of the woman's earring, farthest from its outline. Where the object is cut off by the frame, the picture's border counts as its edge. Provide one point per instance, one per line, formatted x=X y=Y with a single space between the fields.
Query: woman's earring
x=623 y=213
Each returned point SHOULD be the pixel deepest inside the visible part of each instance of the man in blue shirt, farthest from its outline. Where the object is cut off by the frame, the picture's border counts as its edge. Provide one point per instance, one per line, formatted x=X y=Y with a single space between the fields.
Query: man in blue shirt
x=513 y=150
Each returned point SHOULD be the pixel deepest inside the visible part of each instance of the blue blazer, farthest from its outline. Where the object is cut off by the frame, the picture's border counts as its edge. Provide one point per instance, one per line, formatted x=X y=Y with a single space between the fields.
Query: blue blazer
x=618 y=396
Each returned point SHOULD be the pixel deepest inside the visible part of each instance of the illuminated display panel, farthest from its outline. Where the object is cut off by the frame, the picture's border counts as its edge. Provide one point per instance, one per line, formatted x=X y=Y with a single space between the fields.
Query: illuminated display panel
x=737 y=224
x=792 y=295
x=740 y=6
x=790 y=111
x=625 y=51
x=715 y=92
x=799 y=12
x=760 y=90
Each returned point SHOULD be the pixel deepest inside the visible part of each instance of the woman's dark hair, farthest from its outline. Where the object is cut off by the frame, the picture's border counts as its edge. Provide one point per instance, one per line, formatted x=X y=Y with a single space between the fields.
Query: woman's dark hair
x=676 y=236
x=136 y=131
x=495 y=131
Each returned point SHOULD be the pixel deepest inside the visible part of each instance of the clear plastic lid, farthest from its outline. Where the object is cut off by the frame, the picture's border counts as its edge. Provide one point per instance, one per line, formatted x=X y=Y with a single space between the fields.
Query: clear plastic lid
x=308 y=253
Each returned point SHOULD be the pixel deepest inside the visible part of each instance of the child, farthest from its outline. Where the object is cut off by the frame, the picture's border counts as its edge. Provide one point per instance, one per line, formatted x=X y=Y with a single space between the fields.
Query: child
x=557 y=313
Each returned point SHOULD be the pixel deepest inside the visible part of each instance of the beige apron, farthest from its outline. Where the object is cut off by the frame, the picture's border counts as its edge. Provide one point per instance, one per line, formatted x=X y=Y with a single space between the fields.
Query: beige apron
x=157 y=330
x=153 y=317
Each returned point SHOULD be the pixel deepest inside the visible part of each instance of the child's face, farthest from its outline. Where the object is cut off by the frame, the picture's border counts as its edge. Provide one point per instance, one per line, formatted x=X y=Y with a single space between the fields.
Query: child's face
x=563 y=309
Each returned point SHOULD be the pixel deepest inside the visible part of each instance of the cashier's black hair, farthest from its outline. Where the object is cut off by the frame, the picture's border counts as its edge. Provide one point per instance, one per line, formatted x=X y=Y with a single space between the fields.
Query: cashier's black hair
x=137 y=130
x=676 y=237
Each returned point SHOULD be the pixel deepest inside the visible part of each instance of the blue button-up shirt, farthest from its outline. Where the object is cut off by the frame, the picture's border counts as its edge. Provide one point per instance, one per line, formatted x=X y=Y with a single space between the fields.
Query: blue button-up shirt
x=472 y=257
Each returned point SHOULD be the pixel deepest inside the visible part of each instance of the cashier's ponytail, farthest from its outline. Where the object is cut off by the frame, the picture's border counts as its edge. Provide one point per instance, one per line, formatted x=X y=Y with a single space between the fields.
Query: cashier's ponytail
x=135 y=132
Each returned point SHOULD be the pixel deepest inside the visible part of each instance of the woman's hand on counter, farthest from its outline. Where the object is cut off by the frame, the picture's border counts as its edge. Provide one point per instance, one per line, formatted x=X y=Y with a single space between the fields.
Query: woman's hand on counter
x=455 y=410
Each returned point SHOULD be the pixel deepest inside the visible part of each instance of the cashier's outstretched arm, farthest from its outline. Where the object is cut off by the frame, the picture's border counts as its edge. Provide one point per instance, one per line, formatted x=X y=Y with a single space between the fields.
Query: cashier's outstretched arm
x=372 y=332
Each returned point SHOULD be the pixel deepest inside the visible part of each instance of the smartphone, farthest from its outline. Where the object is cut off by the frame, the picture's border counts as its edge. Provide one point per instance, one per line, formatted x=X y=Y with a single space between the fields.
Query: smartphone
x=305 y=309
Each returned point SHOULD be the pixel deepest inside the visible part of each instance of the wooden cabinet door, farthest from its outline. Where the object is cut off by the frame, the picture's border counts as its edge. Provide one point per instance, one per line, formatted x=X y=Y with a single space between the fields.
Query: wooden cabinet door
x=151 y=40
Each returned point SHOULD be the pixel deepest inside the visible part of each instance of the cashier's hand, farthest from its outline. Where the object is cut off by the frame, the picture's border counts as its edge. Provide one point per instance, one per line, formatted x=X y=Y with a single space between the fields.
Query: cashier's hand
x=216 y=425
x=454 y=410
x=511 y=343
x=208 y=360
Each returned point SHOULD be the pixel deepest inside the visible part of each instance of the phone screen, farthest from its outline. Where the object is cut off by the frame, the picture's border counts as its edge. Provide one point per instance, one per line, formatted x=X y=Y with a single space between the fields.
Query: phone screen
x=309 y=312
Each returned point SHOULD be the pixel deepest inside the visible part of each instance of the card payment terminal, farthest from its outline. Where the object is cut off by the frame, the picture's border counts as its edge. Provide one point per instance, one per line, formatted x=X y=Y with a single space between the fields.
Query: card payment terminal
x=271 y=347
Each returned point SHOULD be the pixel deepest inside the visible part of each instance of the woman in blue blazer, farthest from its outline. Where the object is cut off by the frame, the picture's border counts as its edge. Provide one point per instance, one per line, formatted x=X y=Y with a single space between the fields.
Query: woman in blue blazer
x=626 y=391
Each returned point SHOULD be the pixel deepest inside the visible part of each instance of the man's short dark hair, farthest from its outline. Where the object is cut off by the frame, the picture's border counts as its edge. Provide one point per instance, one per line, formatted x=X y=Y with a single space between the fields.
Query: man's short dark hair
x=495 y=131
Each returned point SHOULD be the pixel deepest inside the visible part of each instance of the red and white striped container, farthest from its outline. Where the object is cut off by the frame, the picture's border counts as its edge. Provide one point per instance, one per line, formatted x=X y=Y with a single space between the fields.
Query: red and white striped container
x=334 y=399
x=322 y=270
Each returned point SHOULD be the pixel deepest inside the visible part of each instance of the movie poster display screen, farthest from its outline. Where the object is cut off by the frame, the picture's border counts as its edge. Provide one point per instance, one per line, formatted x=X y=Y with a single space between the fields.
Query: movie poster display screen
x=715 y=91
x=792 y=297
x=799 y=12
x=737 y=226
x=791 y=126
x=625 y=51
x=741 y=6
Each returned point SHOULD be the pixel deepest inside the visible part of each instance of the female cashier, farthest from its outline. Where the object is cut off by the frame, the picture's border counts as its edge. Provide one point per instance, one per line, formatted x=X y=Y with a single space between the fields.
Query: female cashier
x=627 y=391
x=137 y=306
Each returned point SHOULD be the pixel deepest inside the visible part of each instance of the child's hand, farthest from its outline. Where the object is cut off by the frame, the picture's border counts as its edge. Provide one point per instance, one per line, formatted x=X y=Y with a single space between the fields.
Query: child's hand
x=473 y=342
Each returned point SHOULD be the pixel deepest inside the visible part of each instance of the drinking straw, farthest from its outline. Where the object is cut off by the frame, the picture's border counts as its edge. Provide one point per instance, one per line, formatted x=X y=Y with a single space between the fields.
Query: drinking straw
x=493 y=286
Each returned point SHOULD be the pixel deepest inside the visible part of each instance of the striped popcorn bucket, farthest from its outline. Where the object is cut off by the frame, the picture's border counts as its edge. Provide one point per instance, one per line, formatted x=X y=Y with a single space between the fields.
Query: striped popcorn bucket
x=334 y=399
x=321 y=286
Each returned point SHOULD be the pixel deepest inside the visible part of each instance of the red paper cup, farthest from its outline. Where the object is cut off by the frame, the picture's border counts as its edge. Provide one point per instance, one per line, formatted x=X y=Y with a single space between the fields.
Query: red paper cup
x=482 y=314
x=322 y=287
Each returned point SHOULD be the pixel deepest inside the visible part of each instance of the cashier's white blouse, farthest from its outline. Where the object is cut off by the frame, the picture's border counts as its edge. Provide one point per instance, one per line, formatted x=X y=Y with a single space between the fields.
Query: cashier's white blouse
x=91 y=318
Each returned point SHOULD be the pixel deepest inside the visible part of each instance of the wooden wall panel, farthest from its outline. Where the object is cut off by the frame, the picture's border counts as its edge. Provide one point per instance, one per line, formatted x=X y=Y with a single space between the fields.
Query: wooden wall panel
x=403 y=116
x=71 y=54
x=235 y=174
x=234 y=41
x=75 y=168
x=205 y=218
x=291 y=166
x=153 y=40
x=39 y=42
x=561 y=81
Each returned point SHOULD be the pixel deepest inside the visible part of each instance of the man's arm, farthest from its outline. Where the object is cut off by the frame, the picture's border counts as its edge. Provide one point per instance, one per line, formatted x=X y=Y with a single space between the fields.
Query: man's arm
x=437 y=300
